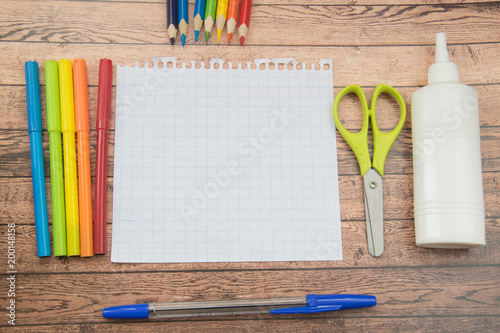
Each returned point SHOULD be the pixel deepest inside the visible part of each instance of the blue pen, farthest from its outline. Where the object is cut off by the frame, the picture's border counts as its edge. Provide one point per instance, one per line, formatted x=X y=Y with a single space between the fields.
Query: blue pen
x=35 y=130
x=199 y=14
x=183 y=15
x=309 y=304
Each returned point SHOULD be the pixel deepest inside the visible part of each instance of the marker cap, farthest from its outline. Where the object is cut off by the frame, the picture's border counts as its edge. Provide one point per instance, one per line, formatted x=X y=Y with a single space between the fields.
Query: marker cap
x=33 y=97
x=66 y=95
x=135 y=311
x=52 y=96
x=104 y=94
x=81 y=96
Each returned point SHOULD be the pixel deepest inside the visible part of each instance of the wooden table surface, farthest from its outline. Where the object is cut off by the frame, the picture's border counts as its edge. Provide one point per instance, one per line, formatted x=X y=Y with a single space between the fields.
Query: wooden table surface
x=370 y=42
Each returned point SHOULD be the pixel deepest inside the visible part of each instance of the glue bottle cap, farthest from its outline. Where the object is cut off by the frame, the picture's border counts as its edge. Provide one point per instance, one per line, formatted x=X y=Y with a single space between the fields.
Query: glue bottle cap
x=442 y=70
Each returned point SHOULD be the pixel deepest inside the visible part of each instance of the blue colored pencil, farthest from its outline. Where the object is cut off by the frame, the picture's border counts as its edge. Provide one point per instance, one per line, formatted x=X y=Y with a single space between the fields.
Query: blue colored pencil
x=199 y=14
x=183 y=11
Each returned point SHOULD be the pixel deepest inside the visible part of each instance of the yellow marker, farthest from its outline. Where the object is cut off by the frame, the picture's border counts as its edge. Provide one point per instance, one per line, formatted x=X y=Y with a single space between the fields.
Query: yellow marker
x=70 y=181
x=221 y=16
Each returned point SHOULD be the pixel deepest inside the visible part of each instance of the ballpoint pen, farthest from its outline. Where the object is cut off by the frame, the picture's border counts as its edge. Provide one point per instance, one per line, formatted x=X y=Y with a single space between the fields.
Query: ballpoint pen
x=35 y=129
x=308 y=304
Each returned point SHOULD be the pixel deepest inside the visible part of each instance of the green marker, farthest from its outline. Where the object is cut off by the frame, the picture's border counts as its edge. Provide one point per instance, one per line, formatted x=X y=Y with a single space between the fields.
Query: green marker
x=209 y=17
x=56 y=166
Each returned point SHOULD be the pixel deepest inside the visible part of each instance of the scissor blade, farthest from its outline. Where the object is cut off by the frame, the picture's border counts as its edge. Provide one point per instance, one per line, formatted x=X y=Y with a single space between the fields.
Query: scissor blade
x=374 y=210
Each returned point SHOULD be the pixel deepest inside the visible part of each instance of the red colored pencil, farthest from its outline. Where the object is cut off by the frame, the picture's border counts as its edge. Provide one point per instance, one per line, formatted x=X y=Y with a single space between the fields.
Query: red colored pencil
x=101 y=169
x=244 y=23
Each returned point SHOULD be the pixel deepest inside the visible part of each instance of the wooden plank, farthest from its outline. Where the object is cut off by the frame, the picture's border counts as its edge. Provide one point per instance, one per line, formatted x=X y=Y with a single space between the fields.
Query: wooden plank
x=311 y=25
x=17 y=198
x=477 y=63
x=400 y=251
x=13 y=115
x=318 y=2
x=312 y=323
x=15 y=155
x=405 y=292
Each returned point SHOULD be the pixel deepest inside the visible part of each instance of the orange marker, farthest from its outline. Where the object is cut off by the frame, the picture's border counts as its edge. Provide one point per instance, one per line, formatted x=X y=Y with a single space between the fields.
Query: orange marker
x=232 y=17
x=82 y=135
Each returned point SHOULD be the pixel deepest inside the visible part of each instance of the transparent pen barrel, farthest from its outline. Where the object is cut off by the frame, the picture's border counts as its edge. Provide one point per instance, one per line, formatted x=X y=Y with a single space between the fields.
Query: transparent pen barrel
x=222 y=308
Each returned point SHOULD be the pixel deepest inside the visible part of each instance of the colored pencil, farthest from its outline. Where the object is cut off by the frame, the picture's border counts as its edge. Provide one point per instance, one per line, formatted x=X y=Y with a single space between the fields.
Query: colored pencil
x=34 y=111
x=101 y=168
x=209 y=17
x=56 y=166
x=70 y=181
x=82 y=138
x=183 y=14
x=199 y=14
x=172 y=20
x=244 y=23
x=221 y=16
x=232 y=17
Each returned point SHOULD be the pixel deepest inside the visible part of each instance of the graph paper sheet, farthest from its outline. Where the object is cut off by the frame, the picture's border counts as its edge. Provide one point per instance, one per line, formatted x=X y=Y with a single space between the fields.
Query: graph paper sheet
x=220 y=165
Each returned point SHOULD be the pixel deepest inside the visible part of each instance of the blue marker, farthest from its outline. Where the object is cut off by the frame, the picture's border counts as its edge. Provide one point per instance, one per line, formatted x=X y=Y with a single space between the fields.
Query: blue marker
x=183 y=16
x=199 y=14
x=35 y=130
x=309 y=304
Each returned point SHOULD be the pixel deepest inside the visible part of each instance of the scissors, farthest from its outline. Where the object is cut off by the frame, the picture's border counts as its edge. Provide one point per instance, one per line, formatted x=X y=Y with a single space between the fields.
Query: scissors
x=372 y=172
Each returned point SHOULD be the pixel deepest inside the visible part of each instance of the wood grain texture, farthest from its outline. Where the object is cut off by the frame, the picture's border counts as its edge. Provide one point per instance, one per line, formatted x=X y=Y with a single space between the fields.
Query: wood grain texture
x=399 y=252
x=478 y=63
x=311 y=324
x=313 y=25
x=370 y=42
x=441 y=287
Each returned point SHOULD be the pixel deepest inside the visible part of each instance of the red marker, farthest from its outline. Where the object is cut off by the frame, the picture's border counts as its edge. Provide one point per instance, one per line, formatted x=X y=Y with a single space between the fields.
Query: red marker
x=246 y=7
x=101 y=169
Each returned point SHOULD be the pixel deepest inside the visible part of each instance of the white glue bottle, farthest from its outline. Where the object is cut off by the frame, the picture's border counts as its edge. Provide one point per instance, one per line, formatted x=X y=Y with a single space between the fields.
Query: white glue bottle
x=447 y=177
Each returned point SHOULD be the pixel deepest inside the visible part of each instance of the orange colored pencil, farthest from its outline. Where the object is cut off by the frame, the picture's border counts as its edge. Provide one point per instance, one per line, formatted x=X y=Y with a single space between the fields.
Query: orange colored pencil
x=232 y=18
x=82 y=134
x=244 y=24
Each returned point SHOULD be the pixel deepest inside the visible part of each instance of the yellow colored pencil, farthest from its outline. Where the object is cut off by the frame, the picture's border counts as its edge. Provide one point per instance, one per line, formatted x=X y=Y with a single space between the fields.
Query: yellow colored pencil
x=221 y=16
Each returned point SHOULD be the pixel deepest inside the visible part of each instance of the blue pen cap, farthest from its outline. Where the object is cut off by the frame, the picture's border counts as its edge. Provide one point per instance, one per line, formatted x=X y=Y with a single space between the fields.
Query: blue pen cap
x=344 y=301
x=325 y=303
x=33 y=96
x=134 y=311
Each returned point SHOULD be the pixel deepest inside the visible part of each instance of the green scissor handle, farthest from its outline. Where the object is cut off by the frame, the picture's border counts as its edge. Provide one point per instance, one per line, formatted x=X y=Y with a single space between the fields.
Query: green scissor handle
x=382 y=142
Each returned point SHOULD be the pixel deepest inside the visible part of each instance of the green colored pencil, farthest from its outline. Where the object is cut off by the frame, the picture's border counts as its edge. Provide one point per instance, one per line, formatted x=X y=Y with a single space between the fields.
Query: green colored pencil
x=209 y=17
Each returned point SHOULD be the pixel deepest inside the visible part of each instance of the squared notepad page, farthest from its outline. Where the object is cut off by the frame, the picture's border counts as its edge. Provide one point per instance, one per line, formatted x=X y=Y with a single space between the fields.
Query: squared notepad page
x=219 y=165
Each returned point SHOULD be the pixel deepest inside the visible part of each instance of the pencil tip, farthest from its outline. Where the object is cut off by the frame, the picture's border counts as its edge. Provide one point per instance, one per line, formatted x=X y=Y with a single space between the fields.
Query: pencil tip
x=207 y=36
x=172 y=40
x=183 y=39
x=242 y=39
x=229 y=36
x=219 y=32
x=196 y=33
